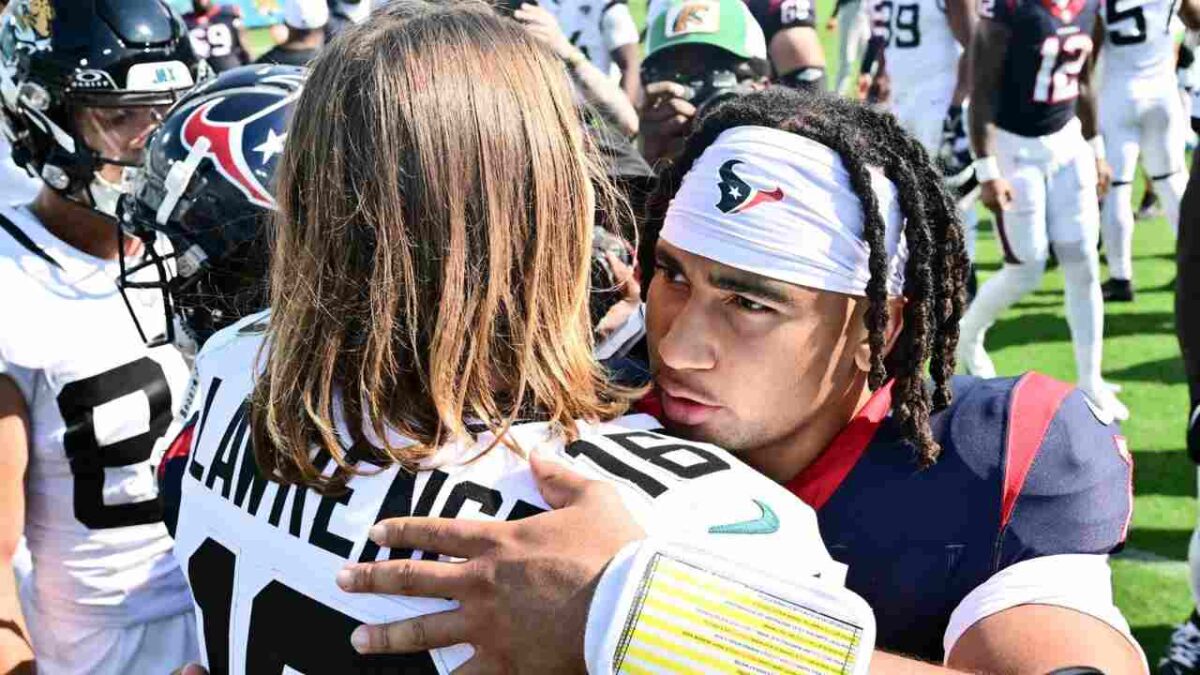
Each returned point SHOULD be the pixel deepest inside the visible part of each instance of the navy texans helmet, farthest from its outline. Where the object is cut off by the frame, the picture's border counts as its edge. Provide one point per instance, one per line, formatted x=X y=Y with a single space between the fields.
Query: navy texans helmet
x=75 y=77
x=206 y=185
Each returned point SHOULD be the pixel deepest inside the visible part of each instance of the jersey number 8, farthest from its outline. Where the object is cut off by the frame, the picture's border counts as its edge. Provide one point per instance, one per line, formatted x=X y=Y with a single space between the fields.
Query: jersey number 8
x=1062 y=59
x=78 y=402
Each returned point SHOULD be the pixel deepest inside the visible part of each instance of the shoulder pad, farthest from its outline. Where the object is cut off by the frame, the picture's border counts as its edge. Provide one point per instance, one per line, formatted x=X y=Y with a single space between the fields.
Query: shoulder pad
x=251 y=327
x=1068 y=475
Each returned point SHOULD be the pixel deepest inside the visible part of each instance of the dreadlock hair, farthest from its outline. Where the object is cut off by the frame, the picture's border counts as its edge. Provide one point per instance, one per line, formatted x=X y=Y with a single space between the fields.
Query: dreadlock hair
x=935 y=277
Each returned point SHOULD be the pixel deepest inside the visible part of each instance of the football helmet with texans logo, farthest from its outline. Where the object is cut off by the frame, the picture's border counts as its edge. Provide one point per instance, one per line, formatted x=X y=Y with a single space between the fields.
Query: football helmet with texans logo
x=82 y=82
x=206 y=185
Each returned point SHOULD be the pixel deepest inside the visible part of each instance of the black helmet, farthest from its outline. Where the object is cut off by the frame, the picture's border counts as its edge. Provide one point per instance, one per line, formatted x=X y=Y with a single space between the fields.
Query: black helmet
x=206 y=185
x=60 y=58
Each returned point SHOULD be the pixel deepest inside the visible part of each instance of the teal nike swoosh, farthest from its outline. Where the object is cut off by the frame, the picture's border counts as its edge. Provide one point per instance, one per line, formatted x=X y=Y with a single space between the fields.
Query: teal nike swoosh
x=767 y=523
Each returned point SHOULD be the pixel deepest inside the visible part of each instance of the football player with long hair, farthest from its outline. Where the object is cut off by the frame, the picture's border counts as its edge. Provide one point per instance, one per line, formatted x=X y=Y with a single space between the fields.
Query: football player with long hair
x=428 y=329
x=84 y=402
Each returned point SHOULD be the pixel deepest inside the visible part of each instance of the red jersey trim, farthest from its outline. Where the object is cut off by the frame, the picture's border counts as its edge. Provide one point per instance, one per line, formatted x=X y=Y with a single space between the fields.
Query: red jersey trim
x=1035 y=401
x=650 y=404
x=819 y=480
x=179 y=448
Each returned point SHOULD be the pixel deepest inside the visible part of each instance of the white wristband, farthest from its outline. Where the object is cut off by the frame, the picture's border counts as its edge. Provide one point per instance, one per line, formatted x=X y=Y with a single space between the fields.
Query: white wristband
x=1097 y=143
x=987 y=169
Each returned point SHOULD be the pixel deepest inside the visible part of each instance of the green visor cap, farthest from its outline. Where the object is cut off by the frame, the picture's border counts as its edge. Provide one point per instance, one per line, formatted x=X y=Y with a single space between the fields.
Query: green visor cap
x=725 y=24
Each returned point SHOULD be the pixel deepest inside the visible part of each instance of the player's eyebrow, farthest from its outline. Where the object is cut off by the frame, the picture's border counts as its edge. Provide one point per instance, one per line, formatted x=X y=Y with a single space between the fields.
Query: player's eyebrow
x=665 y=259
x=738 y=281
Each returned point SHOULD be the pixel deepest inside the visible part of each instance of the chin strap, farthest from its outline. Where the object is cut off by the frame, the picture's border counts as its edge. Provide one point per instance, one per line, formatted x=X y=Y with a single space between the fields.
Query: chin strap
x=106 y=195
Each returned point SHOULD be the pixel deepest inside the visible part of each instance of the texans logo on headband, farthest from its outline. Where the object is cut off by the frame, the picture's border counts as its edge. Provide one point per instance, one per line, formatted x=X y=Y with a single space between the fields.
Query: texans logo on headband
x=737 y=195
x=243 y=148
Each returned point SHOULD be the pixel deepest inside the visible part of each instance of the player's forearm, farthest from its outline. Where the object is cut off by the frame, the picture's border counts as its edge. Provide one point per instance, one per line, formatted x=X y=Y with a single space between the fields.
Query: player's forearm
x=983 y=133
x=16 y=653
x=986 y=64
x=629 y=61
x=872 y=59
x=962 y=87
x=1189 y=14
x=1088 y=109
x=961 y=14
x=605 y=96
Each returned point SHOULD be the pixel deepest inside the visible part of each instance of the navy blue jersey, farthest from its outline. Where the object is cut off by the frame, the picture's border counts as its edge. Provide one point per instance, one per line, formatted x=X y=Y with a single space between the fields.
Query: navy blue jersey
x=1049 y=42
x=216 y=36
x=776 y=15
x=1027 y=470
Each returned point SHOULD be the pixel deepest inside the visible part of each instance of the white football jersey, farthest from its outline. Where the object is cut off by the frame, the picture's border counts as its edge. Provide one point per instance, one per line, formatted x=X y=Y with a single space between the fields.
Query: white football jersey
x=595 y=27
x=261 y=558
x=99 y=404
x=16 y=186
x=1139 y=41
x=921 y=49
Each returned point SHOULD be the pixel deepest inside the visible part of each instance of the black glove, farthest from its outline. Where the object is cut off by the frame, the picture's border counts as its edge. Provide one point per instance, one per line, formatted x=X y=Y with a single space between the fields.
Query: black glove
x=954 y=153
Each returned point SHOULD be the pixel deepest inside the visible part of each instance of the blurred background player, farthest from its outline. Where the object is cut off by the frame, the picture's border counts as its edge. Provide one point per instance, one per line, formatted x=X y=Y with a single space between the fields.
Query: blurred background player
x=596 y=89
x=796 y=57
x=1038 y=174
x=920 y=45
x=16 y=185
x=698 y=52
x=345 y=13
x=605 y=32
x=84 y=403
x=305 y=21
x=217 y=34
x=789 y=27
x=1140 y=114
x=852 y=20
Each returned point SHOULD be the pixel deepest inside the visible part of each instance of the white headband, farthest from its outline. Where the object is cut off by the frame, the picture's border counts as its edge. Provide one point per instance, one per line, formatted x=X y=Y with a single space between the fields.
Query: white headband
x=777 y=204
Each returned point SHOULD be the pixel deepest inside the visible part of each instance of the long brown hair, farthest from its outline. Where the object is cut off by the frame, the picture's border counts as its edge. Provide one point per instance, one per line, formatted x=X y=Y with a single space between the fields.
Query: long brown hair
x=431 y=259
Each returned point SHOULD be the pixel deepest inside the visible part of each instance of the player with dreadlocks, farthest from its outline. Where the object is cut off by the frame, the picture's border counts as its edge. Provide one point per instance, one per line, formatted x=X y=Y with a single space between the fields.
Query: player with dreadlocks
x=808 y=266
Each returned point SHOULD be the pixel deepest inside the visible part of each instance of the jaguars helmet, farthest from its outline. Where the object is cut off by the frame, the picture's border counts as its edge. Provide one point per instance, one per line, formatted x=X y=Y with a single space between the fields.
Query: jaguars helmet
x=62 y=59
x=206 y=185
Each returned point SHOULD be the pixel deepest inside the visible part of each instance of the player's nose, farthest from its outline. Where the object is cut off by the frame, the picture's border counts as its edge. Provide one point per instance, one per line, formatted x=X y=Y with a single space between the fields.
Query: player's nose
x=688 y=343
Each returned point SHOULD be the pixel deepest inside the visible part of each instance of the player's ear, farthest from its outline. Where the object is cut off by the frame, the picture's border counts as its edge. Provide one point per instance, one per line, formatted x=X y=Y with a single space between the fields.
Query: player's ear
x=895 y=324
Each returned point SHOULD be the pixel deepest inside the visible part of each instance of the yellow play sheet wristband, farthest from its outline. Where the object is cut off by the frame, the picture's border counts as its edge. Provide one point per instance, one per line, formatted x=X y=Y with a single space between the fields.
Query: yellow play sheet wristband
x=681 y=610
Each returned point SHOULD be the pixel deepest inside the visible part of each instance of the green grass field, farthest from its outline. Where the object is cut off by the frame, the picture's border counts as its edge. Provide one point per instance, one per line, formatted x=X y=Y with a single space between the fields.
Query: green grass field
x=1140 y=354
